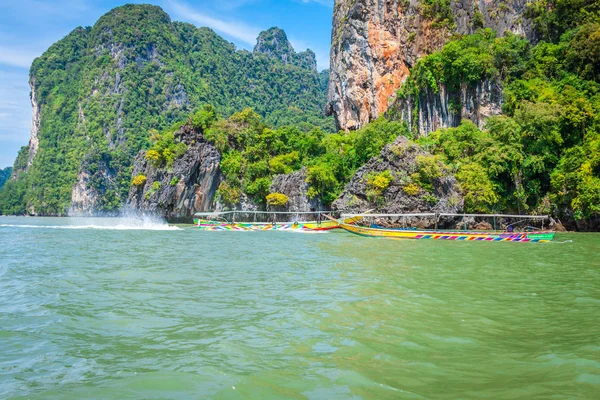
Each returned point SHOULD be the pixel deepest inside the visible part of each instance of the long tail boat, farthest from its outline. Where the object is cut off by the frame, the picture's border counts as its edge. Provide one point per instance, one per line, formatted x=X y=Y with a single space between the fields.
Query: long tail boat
x=225 y=221
x=438 y=234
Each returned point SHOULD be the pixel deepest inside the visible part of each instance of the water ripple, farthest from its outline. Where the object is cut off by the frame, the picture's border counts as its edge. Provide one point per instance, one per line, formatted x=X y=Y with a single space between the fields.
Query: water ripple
x=153 y=313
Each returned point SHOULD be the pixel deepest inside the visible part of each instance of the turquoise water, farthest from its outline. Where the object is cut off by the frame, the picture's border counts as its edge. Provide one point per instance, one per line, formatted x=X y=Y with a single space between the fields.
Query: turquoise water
x=118 y=309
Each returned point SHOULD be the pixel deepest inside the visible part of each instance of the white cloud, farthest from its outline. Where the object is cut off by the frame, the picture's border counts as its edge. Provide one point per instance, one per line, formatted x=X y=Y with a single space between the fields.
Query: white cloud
x=66 y=9
x=234 y=29
x=17 y=57
x=234 y=4
x=15 y=110
x=239 y=30
x=327 y=3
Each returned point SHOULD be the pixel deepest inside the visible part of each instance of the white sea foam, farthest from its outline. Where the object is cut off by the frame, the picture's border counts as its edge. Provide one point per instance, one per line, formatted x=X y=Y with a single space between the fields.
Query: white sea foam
x=140 y=223
x=306 y=231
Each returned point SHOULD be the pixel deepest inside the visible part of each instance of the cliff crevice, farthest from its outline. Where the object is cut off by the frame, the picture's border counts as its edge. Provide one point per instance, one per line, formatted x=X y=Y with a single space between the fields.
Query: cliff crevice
x=34 y=139
x=431 y=110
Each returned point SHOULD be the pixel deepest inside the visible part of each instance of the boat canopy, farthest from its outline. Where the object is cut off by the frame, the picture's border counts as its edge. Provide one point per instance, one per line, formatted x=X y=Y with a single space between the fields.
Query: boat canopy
x=389 y=215
x=217 y=213
x=444 y=215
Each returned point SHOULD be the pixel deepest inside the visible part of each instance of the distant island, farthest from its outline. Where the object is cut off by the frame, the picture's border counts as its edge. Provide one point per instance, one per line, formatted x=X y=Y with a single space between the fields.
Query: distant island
x=5 y=174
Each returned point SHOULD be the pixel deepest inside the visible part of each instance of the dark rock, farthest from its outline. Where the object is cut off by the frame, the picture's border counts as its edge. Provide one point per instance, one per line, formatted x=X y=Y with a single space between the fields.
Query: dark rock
x=567 y=221
x=189 y=187
x=400 y=158
x=294 y=186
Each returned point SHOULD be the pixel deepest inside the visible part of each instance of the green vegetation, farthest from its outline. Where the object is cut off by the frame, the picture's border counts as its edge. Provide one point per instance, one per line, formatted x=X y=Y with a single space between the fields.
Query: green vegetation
x=5 y=175
x=412 y=189
x=165 y=150
x=229 y=195
x=377 y=182
x=253 y=153
x=439 y=11
x=543 y=153
x=102 y=89
x=428 y=169
x=139 y=180
x=277 y=199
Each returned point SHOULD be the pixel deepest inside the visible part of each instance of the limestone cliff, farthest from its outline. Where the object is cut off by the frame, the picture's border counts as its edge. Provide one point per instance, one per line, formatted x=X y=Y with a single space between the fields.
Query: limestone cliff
x=186 y=188
x=404 y=194
x=376 y=42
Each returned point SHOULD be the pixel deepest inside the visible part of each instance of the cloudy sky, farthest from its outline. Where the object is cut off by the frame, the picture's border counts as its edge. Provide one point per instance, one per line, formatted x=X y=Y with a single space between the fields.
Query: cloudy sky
x=28 y=27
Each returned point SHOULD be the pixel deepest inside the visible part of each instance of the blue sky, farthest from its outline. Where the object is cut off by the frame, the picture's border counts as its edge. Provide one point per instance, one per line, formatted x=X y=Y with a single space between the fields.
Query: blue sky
x=29 y=27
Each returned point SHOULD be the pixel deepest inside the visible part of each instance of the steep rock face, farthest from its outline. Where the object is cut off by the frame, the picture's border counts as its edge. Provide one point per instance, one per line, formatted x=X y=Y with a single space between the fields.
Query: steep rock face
x=186 y=188
x=375 y=42
x=294 y=186
x=82 y=196
x=34 y=140
x=400 y=159
x=435 y=111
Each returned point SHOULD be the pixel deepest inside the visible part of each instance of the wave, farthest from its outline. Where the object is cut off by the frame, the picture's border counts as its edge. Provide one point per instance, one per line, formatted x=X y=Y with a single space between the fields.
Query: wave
x=115 y=224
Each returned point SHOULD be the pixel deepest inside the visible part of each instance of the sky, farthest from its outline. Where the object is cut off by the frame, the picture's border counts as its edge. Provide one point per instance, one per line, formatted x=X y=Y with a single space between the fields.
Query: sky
x=29 y=27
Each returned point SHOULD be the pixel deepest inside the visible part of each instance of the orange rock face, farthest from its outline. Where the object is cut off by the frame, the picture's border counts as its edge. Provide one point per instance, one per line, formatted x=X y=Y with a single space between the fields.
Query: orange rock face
x=376 y=42
x=371 y=55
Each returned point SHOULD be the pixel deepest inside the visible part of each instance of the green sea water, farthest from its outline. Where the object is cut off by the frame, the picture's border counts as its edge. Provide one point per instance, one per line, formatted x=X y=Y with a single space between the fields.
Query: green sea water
x=127 y=309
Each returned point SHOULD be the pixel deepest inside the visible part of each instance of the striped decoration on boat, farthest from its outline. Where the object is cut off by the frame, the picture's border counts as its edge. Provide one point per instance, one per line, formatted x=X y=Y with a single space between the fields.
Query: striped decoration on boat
x=511 y=238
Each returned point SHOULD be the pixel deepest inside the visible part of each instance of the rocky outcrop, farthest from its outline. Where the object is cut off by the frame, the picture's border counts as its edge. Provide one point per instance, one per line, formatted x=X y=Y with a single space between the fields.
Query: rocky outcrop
x=405 y=194
x=186 y=188
x=274 y=43
x=295 y=187
x=566 y=221
x=435 y=110
x=376 y=42
x=95 y=190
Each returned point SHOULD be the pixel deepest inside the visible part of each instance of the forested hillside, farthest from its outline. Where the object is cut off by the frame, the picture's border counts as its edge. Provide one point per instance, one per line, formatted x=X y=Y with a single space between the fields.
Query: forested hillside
x=97 y=92
x=542 y=152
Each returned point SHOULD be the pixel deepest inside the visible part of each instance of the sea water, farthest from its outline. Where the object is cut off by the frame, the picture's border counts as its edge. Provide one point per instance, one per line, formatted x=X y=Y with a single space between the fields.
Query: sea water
x=139 y=309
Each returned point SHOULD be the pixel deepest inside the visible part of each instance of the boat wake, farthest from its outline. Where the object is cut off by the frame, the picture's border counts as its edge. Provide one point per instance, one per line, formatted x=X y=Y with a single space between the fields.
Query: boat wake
x=115 y=224
x=304 y=231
